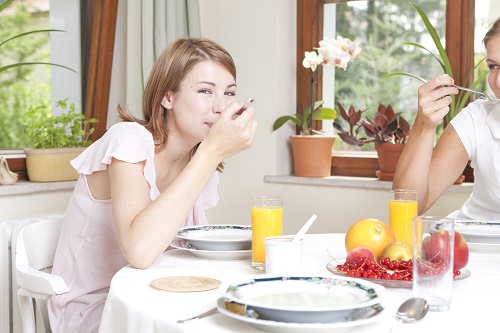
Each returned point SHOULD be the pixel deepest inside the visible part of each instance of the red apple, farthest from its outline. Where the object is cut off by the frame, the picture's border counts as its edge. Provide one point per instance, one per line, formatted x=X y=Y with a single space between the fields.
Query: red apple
x=359 y=252
x=436 y=247
x=461 y=256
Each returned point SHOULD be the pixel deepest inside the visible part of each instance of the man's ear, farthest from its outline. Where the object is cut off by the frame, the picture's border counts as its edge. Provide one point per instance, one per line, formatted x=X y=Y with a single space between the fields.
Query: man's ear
x=166 y=102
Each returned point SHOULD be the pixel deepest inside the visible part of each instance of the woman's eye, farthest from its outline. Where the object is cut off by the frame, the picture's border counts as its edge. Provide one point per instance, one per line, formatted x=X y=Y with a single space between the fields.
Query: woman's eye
x=204 y=91
x=230 y=93
x=493 y=67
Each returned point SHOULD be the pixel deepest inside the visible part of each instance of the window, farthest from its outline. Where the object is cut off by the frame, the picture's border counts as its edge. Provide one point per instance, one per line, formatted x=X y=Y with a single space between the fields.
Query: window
x=380 y=28
x=459 y=32
x=26 y=86
x=89 y=34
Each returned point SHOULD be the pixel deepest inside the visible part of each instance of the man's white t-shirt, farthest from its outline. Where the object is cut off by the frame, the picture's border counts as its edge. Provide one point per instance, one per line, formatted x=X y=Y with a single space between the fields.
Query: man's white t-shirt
x=478 y=126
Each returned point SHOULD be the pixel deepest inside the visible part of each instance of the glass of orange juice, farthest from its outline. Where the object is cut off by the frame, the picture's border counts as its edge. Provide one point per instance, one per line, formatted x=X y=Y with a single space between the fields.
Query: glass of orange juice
x=403 y=207
x=267 y=220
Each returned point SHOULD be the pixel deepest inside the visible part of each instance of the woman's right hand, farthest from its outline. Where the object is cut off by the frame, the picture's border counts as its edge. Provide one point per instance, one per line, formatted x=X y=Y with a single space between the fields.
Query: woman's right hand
x=434 y=100
x=232 y=132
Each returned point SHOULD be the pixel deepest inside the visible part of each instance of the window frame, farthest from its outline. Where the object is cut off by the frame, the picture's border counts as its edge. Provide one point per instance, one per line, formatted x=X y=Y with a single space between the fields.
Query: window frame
x=98 y=28
x=459 y=36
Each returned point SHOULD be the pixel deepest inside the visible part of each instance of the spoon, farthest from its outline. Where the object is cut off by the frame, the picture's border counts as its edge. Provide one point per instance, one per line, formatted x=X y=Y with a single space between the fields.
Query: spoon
x=412 y=310
x=304 y=229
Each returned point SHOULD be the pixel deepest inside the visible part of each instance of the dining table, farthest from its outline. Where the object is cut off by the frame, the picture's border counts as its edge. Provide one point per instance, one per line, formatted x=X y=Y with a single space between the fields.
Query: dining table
x=134 y=306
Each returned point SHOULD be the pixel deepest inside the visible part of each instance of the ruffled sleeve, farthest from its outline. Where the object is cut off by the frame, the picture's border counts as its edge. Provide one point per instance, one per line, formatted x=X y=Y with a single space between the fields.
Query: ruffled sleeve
x=126 y=141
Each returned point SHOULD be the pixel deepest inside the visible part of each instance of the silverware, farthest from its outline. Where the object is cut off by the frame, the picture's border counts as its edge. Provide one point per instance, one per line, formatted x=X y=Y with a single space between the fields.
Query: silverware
x=483 y=95
x=201 y=315
x=411 y=310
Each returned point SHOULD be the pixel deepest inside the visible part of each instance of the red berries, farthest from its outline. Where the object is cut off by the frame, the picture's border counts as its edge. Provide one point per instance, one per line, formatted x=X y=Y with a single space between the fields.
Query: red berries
x=386 y=269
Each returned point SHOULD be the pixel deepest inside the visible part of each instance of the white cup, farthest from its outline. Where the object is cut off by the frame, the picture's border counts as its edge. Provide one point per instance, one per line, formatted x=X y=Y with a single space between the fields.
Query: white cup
x=283 y=257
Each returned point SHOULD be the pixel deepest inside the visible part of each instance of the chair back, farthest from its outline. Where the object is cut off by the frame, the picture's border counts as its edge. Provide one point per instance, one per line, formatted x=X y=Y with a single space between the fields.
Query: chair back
x=36 y=244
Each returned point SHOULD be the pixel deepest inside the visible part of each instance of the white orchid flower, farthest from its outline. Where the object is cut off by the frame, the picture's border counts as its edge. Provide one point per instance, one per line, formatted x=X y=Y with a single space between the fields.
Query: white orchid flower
x=312 y=60
x=338 y=52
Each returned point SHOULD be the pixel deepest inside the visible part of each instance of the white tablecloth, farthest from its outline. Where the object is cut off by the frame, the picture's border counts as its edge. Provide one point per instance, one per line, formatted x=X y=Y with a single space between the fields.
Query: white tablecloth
x=133 y=306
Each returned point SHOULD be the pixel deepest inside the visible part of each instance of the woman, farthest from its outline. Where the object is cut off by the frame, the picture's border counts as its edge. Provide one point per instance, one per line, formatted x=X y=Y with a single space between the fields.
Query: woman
x=474 y=134
x=145 y=179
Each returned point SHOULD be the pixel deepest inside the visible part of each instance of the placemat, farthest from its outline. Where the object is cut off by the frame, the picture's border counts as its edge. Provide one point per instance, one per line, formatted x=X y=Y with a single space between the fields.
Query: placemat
x=184 y=284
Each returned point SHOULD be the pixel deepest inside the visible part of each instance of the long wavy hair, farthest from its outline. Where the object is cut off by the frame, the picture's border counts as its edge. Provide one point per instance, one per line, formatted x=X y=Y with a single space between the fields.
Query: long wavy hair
x=167 y=74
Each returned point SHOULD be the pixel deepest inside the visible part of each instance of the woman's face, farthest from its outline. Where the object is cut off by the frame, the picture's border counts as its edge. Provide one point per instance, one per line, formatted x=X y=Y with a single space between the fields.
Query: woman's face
x=493 y=61
x=205 y=91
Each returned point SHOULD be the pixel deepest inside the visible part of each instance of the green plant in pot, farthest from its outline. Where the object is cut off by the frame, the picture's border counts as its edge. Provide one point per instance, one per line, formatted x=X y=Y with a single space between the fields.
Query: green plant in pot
x=55 y=140
x=311 y=148
x=387 y=129
x=459 y=101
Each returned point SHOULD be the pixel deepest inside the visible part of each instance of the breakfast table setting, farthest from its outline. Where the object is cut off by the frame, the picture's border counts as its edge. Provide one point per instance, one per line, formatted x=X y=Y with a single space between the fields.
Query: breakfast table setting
x=200 y=285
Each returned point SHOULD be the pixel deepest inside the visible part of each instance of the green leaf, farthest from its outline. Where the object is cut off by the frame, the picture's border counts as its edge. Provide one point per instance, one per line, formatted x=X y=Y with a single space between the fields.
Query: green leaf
x=283 y=119
x=29 y=33
x=4 y=68
x=430 y=52
x=435 y=38
x=4 y=4
x=393 y=74
x=324 y=114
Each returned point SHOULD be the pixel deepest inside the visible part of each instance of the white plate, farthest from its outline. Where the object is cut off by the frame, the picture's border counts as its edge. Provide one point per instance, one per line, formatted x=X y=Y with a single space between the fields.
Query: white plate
x=304 y=299
x=483 y=247
x=284 y=327
x=218 y=237
x=479 y=232
x=206 y=254
x=332 y=267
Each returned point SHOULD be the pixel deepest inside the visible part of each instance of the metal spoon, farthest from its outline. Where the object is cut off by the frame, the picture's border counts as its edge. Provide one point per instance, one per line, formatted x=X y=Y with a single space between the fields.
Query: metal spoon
x=411 y=310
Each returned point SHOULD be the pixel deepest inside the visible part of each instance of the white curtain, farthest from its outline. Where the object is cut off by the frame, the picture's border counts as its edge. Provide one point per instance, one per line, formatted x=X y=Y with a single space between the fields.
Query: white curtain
x=151 y=26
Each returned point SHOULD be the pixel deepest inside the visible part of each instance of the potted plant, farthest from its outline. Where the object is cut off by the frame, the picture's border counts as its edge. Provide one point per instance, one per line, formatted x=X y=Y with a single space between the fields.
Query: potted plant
x=54 y=141
x=312 y=148
x=460 y=100
x=387 y=129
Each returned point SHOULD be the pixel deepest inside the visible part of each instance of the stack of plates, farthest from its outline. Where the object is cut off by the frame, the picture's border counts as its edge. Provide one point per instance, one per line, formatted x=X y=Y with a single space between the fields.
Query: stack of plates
x=480 y=236
x=216 y=241
x=302 y=303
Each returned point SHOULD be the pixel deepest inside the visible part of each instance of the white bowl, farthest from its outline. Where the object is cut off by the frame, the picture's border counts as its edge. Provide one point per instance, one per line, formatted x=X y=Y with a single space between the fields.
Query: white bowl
x=218 y=237
x=303 y=299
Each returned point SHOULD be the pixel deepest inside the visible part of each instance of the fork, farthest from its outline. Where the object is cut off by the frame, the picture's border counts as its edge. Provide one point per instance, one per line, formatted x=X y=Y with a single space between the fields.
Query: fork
x=201 y=315
x=483 y=95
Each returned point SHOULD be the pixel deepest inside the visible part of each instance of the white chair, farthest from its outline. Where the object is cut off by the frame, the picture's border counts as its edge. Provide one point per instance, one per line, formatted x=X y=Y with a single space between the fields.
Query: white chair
x=35 y=248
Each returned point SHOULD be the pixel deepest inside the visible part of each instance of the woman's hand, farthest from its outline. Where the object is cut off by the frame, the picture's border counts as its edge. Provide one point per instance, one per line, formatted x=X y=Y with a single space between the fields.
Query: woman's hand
x=434 y=100
x=232 y=132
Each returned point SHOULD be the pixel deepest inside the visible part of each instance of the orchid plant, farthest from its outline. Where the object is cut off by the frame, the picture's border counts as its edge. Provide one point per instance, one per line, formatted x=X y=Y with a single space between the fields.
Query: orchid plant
x=337 y=52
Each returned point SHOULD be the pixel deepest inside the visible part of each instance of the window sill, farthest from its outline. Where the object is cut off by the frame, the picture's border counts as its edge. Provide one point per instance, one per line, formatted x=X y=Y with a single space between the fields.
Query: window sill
x=26 y=187
x=350 y=182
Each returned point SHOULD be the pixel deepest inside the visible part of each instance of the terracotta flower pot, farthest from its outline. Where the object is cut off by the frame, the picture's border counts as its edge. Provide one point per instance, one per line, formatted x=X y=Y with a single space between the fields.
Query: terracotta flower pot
x=312 y=155
x=388 y=157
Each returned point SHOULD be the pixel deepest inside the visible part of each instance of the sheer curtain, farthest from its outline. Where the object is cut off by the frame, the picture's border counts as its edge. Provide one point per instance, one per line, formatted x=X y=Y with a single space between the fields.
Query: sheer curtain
x=151 y=26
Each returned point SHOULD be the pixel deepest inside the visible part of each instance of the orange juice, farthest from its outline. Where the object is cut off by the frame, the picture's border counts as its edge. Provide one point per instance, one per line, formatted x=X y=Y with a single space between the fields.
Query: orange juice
x=401 y=214
x=266 y=221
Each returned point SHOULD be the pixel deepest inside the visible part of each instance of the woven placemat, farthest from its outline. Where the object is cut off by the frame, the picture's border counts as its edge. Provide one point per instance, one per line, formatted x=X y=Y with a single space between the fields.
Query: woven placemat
x=185 y=284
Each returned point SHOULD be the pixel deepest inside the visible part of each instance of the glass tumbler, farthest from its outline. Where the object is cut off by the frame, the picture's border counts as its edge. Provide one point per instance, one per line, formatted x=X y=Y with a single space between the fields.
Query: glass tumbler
x=267 y=220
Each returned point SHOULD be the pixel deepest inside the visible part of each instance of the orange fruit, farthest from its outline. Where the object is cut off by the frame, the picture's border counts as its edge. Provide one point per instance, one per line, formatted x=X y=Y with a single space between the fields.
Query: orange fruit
x=370 y=233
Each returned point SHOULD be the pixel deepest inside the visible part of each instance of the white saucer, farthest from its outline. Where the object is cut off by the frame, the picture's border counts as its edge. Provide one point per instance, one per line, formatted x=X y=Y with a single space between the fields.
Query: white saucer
x=207 y=254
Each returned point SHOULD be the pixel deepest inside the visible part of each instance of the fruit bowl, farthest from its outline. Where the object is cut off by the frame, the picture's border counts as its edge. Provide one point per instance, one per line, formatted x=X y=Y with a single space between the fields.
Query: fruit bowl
x=332 y=267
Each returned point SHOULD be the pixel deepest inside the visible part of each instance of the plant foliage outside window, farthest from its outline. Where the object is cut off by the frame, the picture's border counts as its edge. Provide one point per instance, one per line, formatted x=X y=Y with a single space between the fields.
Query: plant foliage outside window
x=24 y=86
x=381 y=28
